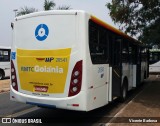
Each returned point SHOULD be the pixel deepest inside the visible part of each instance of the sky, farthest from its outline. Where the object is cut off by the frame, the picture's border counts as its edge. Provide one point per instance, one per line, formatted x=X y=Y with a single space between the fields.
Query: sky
x=95 y=7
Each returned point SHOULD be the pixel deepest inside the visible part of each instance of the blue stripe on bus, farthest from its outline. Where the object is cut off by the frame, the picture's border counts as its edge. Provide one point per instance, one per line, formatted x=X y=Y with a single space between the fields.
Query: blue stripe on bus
x=41 y=105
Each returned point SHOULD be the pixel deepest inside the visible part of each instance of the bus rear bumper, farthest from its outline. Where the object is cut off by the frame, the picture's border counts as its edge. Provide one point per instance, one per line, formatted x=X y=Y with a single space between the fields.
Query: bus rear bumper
x=77 y=102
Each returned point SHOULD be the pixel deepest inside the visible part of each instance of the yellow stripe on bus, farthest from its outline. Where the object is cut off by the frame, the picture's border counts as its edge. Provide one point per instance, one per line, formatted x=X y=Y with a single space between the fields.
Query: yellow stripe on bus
x=109 y=27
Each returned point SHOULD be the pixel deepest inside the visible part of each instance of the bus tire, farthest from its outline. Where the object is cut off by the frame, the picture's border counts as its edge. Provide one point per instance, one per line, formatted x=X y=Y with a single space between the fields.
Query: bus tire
x=1 y=75
x=124 y=90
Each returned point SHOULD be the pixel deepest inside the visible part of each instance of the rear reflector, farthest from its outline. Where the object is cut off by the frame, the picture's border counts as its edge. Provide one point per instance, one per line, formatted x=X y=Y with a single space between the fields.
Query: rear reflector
x=76 y=79
x=75 y=105
x=13 y=77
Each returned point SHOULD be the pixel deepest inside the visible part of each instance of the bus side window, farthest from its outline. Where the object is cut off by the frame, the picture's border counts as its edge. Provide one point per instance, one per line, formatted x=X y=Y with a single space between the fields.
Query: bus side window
x=132 y=54
x=125 y=52
x=103 y=44
x=98 y=43
x=118 y=44
x=144 y=54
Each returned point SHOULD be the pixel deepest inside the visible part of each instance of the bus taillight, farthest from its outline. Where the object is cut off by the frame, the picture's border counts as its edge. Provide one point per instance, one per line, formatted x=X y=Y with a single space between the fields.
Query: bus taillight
x=13 y=77
x=76 y=79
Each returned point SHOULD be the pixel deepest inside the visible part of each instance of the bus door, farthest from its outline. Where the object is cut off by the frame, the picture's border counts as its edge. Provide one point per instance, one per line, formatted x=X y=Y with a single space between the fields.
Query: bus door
x=138 y=78
x=116 y=68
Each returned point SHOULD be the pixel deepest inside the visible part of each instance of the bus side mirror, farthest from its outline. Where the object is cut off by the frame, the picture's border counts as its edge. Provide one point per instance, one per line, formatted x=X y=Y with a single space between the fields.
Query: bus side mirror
x=12 y=25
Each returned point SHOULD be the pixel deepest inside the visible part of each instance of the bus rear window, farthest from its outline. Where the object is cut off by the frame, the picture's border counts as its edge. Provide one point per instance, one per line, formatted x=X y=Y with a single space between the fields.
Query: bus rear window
x=98 y=43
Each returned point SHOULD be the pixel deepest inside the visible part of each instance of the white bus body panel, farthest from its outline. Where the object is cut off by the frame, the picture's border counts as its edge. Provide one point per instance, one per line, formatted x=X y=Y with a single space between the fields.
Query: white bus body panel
x=99 y=88
x=110 y=84
x=129 y=71
x=134 y=75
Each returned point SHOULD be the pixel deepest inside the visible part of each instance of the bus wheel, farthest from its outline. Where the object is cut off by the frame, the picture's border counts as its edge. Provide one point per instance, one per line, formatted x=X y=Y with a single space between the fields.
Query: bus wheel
x=1 y=75
x=123 y=91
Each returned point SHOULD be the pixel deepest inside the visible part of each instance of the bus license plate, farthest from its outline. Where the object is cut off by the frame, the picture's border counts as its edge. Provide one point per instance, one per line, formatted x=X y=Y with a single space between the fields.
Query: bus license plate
x=41 y=88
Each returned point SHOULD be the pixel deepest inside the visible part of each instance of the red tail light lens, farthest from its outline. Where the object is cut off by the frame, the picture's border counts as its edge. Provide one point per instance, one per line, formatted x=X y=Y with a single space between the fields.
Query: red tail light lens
x=76 y=79
x=13 y=77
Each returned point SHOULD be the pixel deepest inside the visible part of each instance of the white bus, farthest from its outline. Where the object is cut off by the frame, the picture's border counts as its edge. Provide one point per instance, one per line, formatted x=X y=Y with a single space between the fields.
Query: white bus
x=72 y=60
x=154 y=61
x=4 y=62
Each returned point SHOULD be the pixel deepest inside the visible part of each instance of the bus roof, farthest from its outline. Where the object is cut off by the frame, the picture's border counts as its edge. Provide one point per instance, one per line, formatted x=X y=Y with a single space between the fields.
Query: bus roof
x=51 y=12
x=5 y=47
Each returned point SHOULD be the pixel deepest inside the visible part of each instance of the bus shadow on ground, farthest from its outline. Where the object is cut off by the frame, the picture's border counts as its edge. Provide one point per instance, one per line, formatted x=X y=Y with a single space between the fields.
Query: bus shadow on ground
x=5 y=78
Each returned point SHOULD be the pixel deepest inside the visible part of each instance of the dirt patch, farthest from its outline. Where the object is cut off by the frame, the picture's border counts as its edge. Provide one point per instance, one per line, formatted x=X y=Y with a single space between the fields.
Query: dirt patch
x=4 y=85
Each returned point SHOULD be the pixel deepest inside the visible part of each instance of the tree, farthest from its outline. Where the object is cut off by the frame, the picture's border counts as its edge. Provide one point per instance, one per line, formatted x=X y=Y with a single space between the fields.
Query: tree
x=151 y=34
x=49 y=5
x=139 y=18
x=63 y=7
x=26 y=10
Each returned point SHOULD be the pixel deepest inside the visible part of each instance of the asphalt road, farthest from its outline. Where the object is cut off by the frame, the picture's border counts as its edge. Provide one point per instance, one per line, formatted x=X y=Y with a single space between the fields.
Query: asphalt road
x=14 y=109
x=8 y=107
x=98 y=117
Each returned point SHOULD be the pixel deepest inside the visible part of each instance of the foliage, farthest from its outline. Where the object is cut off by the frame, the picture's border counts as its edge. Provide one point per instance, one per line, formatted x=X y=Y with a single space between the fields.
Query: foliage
x=49 y=5
x=26 y=10
x=63 y=7
x=151 y=34
x=138 y=18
